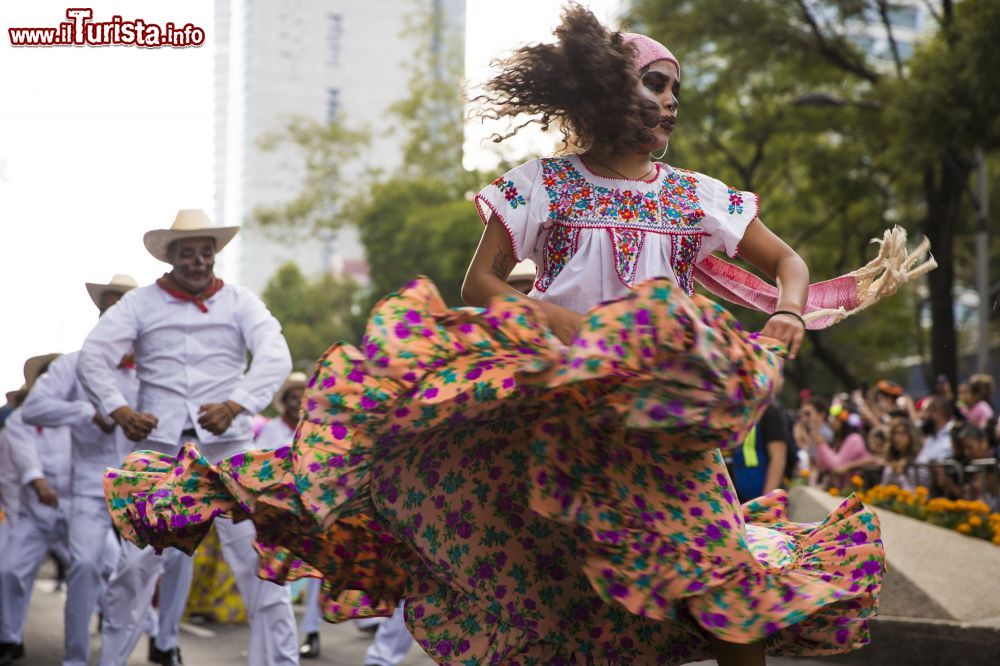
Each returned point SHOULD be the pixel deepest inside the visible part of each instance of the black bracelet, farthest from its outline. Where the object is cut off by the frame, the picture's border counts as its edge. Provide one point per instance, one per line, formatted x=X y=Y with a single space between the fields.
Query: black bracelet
x=788 y=312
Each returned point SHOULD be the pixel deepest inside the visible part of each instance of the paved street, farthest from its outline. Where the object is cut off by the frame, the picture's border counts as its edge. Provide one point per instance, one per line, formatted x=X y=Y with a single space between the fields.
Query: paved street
x=219 y=645
x=202 y=645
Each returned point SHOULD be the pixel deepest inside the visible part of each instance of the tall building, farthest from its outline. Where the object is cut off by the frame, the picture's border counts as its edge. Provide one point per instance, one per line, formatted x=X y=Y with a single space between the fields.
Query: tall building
x=909 y=20
x=322 y=60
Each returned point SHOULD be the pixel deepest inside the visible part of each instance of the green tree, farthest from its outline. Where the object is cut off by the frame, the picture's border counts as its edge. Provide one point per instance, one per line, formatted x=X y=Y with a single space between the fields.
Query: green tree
x=325 y=149
x=313 y=315
x=412 y=228
x=782 y=101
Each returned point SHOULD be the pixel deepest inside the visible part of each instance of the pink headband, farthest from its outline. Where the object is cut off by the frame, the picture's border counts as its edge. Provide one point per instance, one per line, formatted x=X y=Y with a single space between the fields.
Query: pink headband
x=648 y=50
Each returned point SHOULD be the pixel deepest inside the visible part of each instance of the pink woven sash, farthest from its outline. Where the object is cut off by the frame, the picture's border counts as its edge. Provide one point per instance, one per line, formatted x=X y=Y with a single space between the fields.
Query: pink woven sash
x=741 y=287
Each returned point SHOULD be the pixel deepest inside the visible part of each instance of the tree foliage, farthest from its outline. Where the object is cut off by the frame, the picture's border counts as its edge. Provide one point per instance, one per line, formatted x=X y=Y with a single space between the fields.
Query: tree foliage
x=412 y=228
x=313 y=315
x=779 y=98
x=325 y=149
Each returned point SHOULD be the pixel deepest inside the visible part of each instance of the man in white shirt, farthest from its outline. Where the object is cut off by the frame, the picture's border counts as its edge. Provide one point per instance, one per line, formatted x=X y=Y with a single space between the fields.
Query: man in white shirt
x=939 y=424
x=59 y=400
x=10 y=484
x=191 y=335
x=39 y=458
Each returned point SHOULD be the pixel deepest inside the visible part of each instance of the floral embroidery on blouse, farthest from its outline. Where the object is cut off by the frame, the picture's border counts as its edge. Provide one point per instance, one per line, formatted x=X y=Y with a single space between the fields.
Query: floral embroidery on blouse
x=560 y=246
x=683 y=255
x=575 y=201
x=735 y=202
x=509 y=192
x=627 y=244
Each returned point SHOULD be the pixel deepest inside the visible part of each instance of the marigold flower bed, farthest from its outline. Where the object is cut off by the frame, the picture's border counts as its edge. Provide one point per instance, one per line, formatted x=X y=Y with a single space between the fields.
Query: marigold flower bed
x=970 y=517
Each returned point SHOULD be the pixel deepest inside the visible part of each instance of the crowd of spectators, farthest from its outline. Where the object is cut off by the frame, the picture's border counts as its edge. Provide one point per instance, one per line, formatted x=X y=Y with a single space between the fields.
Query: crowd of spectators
x=946 y=442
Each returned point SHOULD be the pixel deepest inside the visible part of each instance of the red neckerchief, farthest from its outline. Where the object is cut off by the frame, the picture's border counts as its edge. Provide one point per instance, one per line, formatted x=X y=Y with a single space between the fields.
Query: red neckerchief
x=291 y=422
x=167 y=284
x=127 y=362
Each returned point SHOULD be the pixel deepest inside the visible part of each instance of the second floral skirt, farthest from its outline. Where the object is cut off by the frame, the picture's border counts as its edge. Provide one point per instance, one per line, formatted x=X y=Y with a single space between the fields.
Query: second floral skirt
x=533 y=503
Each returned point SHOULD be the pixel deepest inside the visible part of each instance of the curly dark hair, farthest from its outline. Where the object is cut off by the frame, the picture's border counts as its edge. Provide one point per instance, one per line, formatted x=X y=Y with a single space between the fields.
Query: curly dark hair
x=585 y=83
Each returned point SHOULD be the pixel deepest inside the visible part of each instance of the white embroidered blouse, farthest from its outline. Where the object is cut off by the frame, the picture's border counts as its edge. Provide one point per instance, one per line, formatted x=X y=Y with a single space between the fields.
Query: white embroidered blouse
x=593 y=238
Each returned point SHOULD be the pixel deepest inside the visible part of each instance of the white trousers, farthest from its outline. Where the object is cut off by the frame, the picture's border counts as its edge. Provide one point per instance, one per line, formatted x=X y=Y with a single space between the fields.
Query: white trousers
x=392 y=641
x=91 y=543
x=312 y=617
x=273 y=637
x=38 y=530
x=368 y=622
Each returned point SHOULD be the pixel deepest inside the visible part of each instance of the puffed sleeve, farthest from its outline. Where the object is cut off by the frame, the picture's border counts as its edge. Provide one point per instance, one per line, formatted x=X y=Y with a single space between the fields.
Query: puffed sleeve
x=519 y=201
x=728 y=213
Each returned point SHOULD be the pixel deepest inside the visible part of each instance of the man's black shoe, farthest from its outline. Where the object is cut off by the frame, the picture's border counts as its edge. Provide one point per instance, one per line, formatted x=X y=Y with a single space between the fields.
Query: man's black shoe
x=171 y=657
x=10 y=651
x=310 y=649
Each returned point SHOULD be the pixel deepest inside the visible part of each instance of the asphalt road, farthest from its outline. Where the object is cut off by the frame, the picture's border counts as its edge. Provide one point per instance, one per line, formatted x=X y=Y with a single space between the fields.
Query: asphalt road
x=223 y=645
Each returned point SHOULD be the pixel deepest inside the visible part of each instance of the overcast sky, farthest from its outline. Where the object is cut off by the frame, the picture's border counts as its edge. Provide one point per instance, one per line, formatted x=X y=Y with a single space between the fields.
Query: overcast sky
x=98 y=145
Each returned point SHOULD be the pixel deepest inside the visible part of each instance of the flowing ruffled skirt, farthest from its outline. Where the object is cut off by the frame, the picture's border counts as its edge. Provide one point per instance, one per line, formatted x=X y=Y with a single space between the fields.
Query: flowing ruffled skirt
x=532 y=502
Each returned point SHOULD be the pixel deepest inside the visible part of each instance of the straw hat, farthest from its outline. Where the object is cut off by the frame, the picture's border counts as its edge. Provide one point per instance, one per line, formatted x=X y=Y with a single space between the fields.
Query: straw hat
x=295 y=380
x=189 y=223
x=119 y=283
x=34 y=367
x=15 y=397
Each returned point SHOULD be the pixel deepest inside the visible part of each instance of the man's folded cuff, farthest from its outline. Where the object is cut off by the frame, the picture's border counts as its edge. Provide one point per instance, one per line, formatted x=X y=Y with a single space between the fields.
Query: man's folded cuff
x=31 y=475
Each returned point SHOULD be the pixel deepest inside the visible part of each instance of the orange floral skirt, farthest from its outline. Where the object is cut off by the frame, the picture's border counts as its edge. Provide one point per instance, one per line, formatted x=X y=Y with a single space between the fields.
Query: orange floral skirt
x=533 y=503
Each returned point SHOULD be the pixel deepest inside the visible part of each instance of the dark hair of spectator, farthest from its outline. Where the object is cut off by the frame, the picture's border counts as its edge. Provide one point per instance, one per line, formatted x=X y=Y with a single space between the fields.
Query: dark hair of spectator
x=585 y=82
x=844 y=429
x=981 y=387
x=943 y=406
x=916 y=441
x=969 y=432
x=821 y=405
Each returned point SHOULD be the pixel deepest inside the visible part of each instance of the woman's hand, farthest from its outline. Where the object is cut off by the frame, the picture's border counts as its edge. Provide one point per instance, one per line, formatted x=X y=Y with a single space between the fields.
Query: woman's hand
x=786 y=329
x=565 y=324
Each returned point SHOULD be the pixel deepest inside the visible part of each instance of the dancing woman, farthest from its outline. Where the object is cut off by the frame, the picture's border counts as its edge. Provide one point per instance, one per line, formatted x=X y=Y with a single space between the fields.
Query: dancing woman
x=540 y=478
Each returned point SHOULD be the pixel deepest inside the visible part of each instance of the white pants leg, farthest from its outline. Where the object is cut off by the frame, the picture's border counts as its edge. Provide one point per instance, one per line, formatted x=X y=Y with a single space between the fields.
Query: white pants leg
x=112 y=553
x=367 y=622
x=151 y=625
x=178 y=571
x=89 y=528
x=312 y=617
x=130 y=592
x=6 y=527
x=30 y=542
x=273 y=637
x=392 y=641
